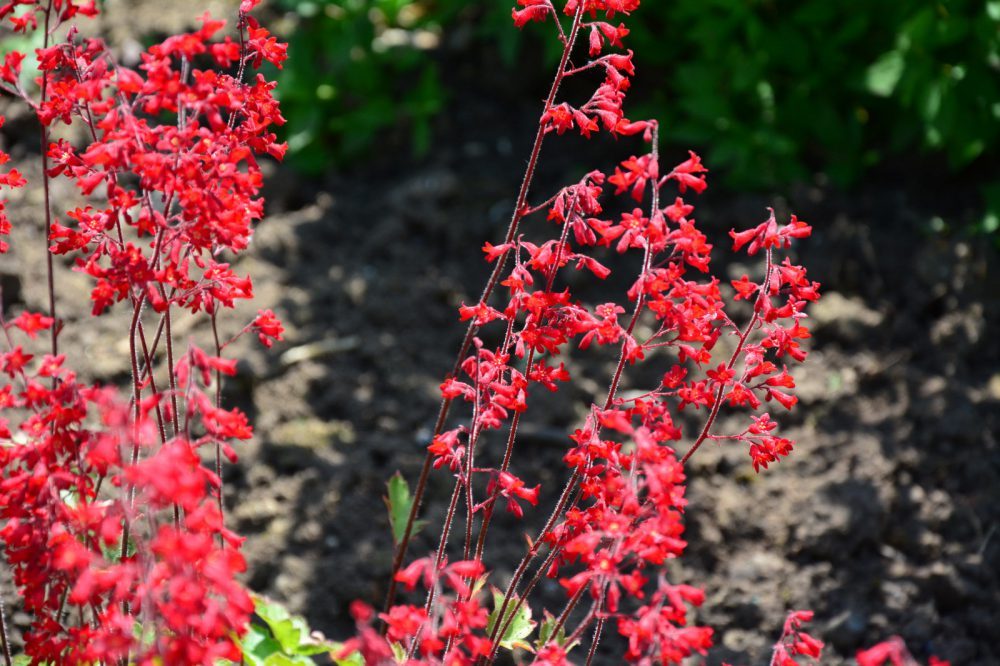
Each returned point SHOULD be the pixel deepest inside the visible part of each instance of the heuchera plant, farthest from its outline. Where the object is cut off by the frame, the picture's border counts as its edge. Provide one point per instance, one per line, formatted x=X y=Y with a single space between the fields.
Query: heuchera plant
x=618 y=517
x=112 y=526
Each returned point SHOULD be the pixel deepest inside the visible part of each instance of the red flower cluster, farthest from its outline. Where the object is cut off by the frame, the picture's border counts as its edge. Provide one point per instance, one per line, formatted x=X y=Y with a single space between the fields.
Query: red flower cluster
x=8 y=179
x=618 y=519
x=151 y=554
x=110 y=521
x=894 y=653
x=452 y=626
x=191 y=186
x=794 y=642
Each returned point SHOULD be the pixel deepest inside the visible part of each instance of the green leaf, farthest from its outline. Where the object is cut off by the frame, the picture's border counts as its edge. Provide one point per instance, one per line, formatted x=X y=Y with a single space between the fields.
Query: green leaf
x=545 y=634
x=478 y=584
x=291 y=632
x=281 y=659
x=354 y=659
x=257 y=645
x=991 y=222
x=398 y=652
x=283 y=627
x=400 y=503
x=884 y=73
x=518 y=629
x=991 y=219
x=545 y=631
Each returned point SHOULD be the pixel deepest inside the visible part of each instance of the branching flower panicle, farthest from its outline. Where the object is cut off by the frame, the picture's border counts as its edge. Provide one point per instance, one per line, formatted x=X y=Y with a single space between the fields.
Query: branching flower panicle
x=619 y=516
x=111 y=523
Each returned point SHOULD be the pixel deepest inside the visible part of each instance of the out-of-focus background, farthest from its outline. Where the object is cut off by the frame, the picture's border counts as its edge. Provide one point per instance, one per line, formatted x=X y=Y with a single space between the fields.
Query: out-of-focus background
x=409 y=123
x=773 y=92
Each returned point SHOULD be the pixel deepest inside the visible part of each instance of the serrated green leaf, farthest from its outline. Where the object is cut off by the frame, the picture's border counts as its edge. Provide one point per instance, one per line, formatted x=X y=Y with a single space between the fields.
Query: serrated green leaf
x=400 y=503
x=545 y=630
x=518 y=629
x=257 y=645
x=545 y=634
x=290 y=632
x=285 y=629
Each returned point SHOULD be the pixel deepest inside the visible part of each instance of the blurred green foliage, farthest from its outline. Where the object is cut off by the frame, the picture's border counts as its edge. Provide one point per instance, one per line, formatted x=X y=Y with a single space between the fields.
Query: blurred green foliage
x=771 y=90
x=774 y=88
x=355 y=68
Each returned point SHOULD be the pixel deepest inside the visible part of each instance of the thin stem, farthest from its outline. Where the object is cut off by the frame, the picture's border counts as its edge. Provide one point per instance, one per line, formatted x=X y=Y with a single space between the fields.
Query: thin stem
x=516 y=420
x=530 y=555
x=612 y=393
x=137 y=407
x=134 y=359
x=218 y=404
x=171 y=378
x=564 y=616
x=590 y=65
x=49 y=261
x=152 y=385
x=597 y=639
x=555 y=17
x=488 y=509
x=456 y=493
x=4 y=642
x=470 y=455
x=62 y=605
x=531 y=210
x=595 y=607
x=518 y=214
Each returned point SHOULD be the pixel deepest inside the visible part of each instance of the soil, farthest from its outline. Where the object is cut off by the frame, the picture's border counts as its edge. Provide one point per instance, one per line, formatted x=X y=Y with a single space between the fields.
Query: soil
x=884 y=521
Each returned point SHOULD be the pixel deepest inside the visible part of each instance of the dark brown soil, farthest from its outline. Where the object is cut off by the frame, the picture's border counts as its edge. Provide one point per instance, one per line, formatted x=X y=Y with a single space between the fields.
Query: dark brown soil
x=884 y=521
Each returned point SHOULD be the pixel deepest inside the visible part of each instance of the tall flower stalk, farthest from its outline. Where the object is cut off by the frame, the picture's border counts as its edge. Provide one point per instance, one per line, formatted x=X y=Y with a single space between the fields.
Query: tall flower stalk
x=112 y=526
x=618 y=517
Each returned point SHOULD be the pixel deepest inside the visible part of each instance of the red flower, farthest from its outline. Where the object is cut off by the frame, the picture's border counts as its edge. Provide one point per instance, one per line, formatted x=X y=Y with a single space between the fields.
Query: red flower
x=559 y=118
x=403 y=622
x=768 y=234
x=513 y=489
x=795 y=642
x=687 y=174
x=533 y=10
x=268 y=327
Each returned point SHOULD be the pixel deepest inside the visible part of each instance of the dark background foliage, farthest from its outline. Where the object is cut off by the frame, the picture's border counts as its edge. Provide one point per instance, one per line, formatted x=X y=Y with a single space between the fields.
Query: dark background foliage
x=772 y=91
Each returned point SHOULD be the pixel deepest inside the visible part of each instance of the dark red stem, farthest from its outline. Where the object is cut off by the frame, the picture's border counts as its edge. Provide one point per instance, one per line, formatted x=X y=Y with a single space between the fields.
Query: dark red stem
x=494 y=279
x=571 y=483
x=49 y=266
x=4 y=642
x=218 y=404
x=597 y=639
